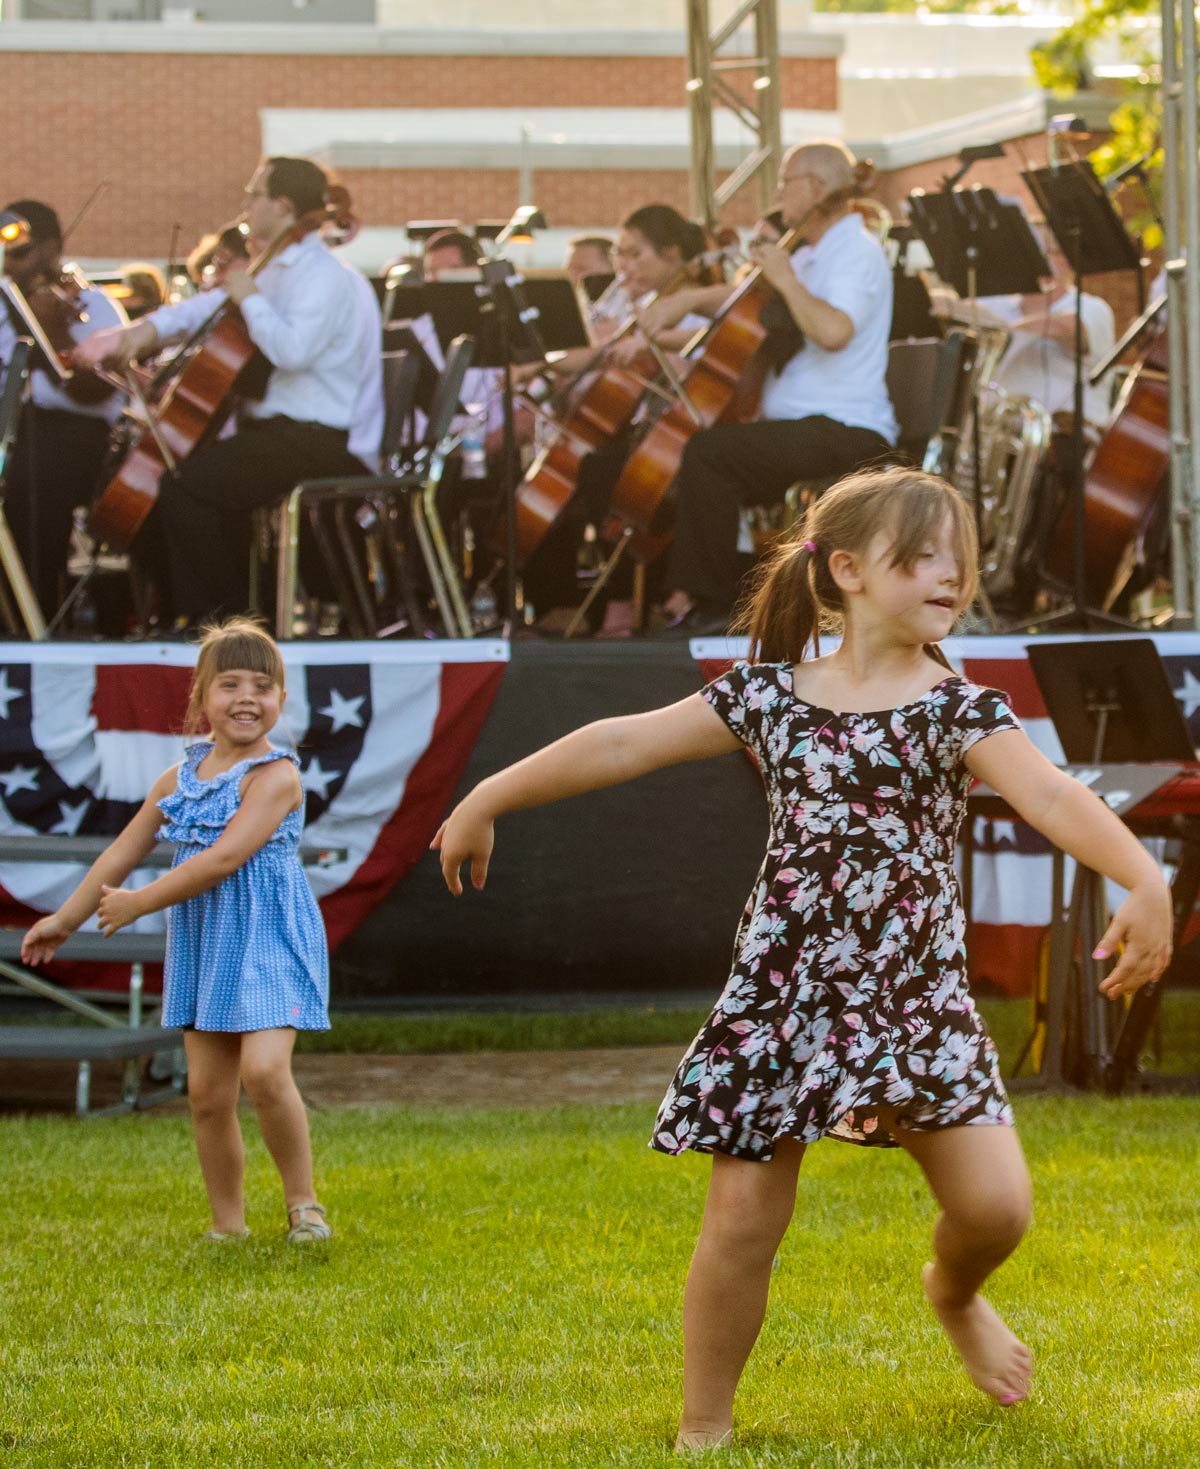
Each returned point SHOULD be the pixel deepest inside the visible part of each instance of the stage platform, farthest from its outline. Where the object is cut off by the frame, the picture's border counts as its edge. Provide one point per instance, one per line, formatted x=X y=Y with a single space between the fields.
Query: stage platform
x=635 y=889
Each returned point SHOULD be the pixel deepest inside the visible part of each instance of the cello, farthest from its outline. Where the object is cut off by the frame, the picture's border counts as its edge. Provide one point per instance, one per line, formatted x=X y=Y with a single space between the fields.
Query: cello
x=190 y=413
x=603 y=410
x=714 y=391
x=1124 y=485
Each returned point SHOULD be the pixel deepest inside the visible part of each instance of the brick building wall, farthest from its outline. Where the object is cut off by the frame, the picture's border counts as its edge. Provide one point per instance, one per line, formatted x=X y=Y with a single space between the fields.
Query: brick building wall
x=178 y=134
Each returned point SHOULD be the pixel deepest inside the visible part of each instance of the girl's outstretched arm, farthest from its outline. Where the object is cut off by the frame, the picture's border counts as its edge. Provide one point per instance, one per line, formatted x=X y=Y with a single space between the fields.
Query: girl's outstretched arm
x=601 y=754
x=111 y=868
x=268 y=794
x=1079 y=823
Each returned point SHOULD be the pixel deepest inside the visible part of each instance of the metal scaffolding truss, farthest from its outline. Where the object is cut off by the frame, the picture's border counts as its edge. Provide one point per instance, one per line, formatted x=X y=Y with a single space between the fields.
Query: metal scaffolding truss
x=718 y=60
x=1181 y=198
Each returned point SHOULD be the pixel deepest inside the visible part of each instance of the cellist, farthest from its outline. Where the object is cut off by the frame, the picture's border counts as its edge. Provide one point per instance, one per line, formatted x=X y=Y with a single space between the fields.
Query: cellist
x=825 y=408
x=305 y=312
x=654 y=246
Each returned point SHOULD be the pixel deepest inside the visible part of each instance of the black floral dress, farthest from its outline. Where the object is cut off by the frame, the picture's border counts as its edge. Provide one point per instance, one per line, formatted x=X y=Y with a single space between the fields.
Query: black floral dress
x=849 y=988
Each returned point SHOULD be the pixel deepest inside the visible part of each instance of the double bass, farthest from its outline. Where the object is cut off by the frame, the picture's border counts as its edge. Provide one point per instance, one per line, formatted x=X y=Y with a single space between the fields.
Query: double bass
x=715 y=390
x=191 y=412
x=1124 y=487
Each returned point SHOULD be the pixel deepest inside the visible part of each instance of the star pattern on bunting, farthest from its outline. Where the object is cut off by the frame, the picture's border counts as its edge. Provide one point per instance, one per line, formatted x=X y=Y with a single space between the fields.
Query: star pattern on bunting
x=315 y=780
x=342 y=712
x=72 y=818
x=18 y=778
x=1188 y=693
x=7 y=693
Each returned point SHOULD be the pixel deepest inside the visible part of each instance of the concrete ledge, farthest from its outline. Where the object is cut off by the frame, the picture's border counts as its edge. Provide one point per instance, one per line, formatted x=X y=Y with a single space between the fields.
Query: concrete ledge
x=358 y=40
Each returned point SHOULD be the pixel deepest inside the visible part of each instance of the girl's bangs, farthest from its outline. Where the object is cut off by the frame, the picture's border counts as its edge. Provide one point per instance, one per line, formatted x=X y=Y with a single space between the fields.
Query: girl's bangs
x=918 y=514
x=251 y=651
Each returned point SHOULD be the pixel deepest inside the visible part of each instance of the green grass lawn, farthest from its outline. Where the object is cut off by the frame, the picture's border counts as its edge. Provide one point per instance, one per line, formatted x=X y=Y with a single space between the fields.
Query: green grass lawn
x=504 y=1290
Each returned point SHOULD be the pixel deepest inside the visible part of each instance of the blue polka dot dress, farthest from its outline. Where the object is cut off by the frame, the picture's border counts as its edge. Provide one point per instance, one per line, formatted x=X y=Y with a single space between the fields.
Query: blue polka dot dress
x=250 y=953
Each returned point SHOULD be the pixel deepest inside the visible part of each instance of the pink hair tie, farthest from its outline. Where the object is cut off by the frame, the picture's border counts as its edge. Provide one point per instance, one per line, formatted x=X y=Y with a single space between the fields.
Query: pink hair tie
x=811 y=547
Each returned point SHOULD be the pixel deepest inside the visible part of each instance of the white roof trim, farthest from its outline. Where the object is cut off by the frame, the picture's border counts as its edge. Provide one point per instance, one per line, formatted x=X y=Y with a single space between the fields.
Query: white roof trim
x=363 y=40
x=1016 y=119
x=597 y=137
x=509 y=137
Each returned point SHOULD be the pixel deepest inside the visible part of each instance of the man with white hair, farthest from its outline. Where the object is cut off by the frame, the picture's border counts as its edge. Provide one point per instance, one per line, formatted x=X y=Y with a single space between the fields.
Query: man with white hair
x=825 y=409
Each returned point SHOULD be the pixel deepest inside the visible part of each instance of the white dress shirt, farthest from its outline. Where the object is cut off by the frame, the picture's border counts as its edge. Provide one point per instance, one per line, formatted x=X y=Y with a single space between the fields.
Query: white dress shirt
x=366 y=427
x=847 y=269
x=102 y=311
x=308 y=319
x=1036 y=367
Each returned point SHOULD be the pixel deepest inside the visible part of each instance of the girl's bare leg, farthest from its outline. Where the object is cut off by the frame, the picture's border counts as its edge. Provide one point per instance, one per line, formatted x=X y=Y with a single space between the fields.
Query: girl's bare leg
x=978 y=1176
x=267 y=1077
x=747 y=1212
x=213 y=1063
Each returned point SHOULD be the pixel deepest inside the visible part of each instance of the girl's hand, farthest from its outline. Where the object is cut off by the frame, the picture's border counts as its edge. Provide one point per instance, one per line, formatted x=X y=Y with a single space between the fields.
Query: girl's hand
x=464 y=836
x=40 y=943
x=118 y=908
x=1142 y=924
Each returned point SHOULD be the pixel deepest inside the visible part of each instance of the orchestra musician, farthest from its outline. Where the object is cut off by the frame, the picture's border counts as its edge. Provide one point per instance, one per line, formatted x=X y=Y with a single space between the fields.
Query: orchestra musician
x=654 y=247
x=825 y=410
x=1039 y=362
x=215 y=254
x=64 y=431
x=308 y=316
x=588 y=255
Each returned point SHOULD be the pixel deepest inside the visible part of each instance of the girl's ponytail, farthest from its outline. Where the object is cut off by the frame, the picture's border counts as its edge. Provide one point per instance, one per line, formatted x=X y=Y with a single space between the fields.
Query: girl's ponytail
x=781 y=615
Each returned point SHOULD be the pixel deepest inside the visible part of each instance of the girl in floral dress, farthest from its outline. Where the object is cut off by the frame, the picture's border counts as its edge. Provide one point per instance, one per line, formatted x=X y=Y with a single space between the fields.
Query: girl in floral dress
x=847 y=1013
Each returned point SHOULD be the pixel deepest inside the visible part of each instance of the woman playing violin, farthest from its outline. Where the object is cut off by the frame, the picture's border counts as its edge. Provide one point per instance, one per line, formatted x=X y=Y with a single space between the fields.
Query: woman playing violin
x=63 y=435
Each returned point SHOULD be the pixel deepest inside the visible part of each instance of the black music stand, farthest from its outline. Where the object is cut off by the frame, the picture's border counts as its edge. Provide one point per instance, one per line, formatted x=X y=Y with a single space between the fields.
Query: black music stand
x=512 y=320
x=1111 y=703
x=1080 y=215
x=982 y=246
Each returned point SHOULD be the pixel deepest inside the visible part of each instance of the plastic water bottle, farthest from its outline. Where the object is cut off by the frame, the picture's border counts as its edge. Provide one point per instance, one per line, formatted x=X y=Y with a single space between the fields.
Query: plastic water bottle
x=474 y=450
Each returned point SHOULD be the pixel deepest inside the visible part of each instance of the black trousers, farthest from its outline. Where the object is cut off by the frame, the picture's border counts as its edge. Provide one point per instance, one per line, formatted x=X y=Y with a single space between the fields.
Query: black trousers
x=204 y=510
x=55 y=466
x=740 y=464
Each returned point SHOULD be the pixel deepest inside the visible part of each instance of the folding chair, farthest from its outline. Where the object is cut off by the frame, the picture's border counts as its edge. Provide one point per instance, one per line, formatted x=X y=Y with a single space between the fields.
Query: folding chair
x=409 y=472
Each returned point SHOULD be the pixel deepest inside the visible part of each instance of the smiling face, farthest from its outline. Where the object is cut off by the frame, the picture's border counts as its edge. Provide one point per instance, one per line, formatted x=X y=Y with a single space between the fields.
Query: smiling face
x=242 y=707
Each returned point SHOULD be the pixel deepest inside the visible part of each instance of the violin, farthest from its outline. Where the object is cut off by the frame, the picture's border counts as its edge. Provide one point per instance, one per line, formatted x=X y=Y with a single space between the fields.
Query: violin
x=57 y=304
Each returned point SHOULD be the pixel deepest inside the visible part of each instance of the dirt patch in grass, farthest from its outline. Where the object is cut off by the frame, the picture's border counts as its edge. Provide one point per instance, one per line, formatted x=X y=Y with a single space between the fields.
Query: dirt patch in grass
x=480 y=1079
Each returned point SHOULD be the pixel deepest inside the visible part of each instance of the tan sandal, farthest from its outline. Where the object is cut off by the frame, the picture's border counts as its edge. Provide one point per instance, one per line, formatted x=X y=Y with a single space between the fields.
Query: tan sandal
x=225 y=1236
x=307 y=1224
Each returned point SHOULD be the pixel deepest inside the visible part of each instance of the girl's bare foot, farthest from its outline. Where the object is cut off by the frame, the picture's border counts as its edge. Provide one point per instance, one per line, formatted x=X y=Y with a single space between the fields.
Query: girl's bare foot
x=997 y=1362
x=702 y=1436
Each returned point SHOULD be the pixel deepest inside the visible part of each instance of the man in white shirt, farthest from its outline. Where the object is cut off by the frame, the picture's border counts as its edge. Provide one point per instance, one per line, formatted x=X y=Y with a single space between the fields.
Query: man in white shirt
x=1039 y=361
x=64 y=429
x=309 y=318
x=825 y=409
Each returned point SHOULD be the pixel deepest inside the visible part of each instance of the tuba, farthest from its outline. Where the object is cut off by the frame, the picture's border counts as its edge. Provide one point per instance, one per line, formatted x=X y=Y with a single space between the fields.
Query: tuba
x=1014 y=438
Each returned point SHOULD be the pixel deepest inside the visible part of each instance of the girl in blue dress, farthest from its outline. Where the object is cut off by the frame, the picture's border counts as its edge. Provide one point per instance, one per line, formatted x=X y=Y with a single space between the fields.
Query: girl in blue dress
x=847 y=1014
x=247 y=964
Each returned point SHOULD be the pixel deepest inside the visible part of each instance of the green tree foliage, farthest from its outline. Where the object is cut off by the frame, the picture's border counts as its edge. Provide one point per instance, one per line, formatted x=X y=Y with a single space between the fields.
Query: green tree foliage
x=1063 y=65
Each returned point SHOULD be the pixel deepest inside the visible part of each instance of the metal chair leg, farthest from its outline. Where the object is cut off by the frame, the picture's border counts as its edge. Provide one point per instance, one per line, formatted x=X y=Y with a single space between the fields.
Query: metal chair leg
x=442 y=549
x=287 y=556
